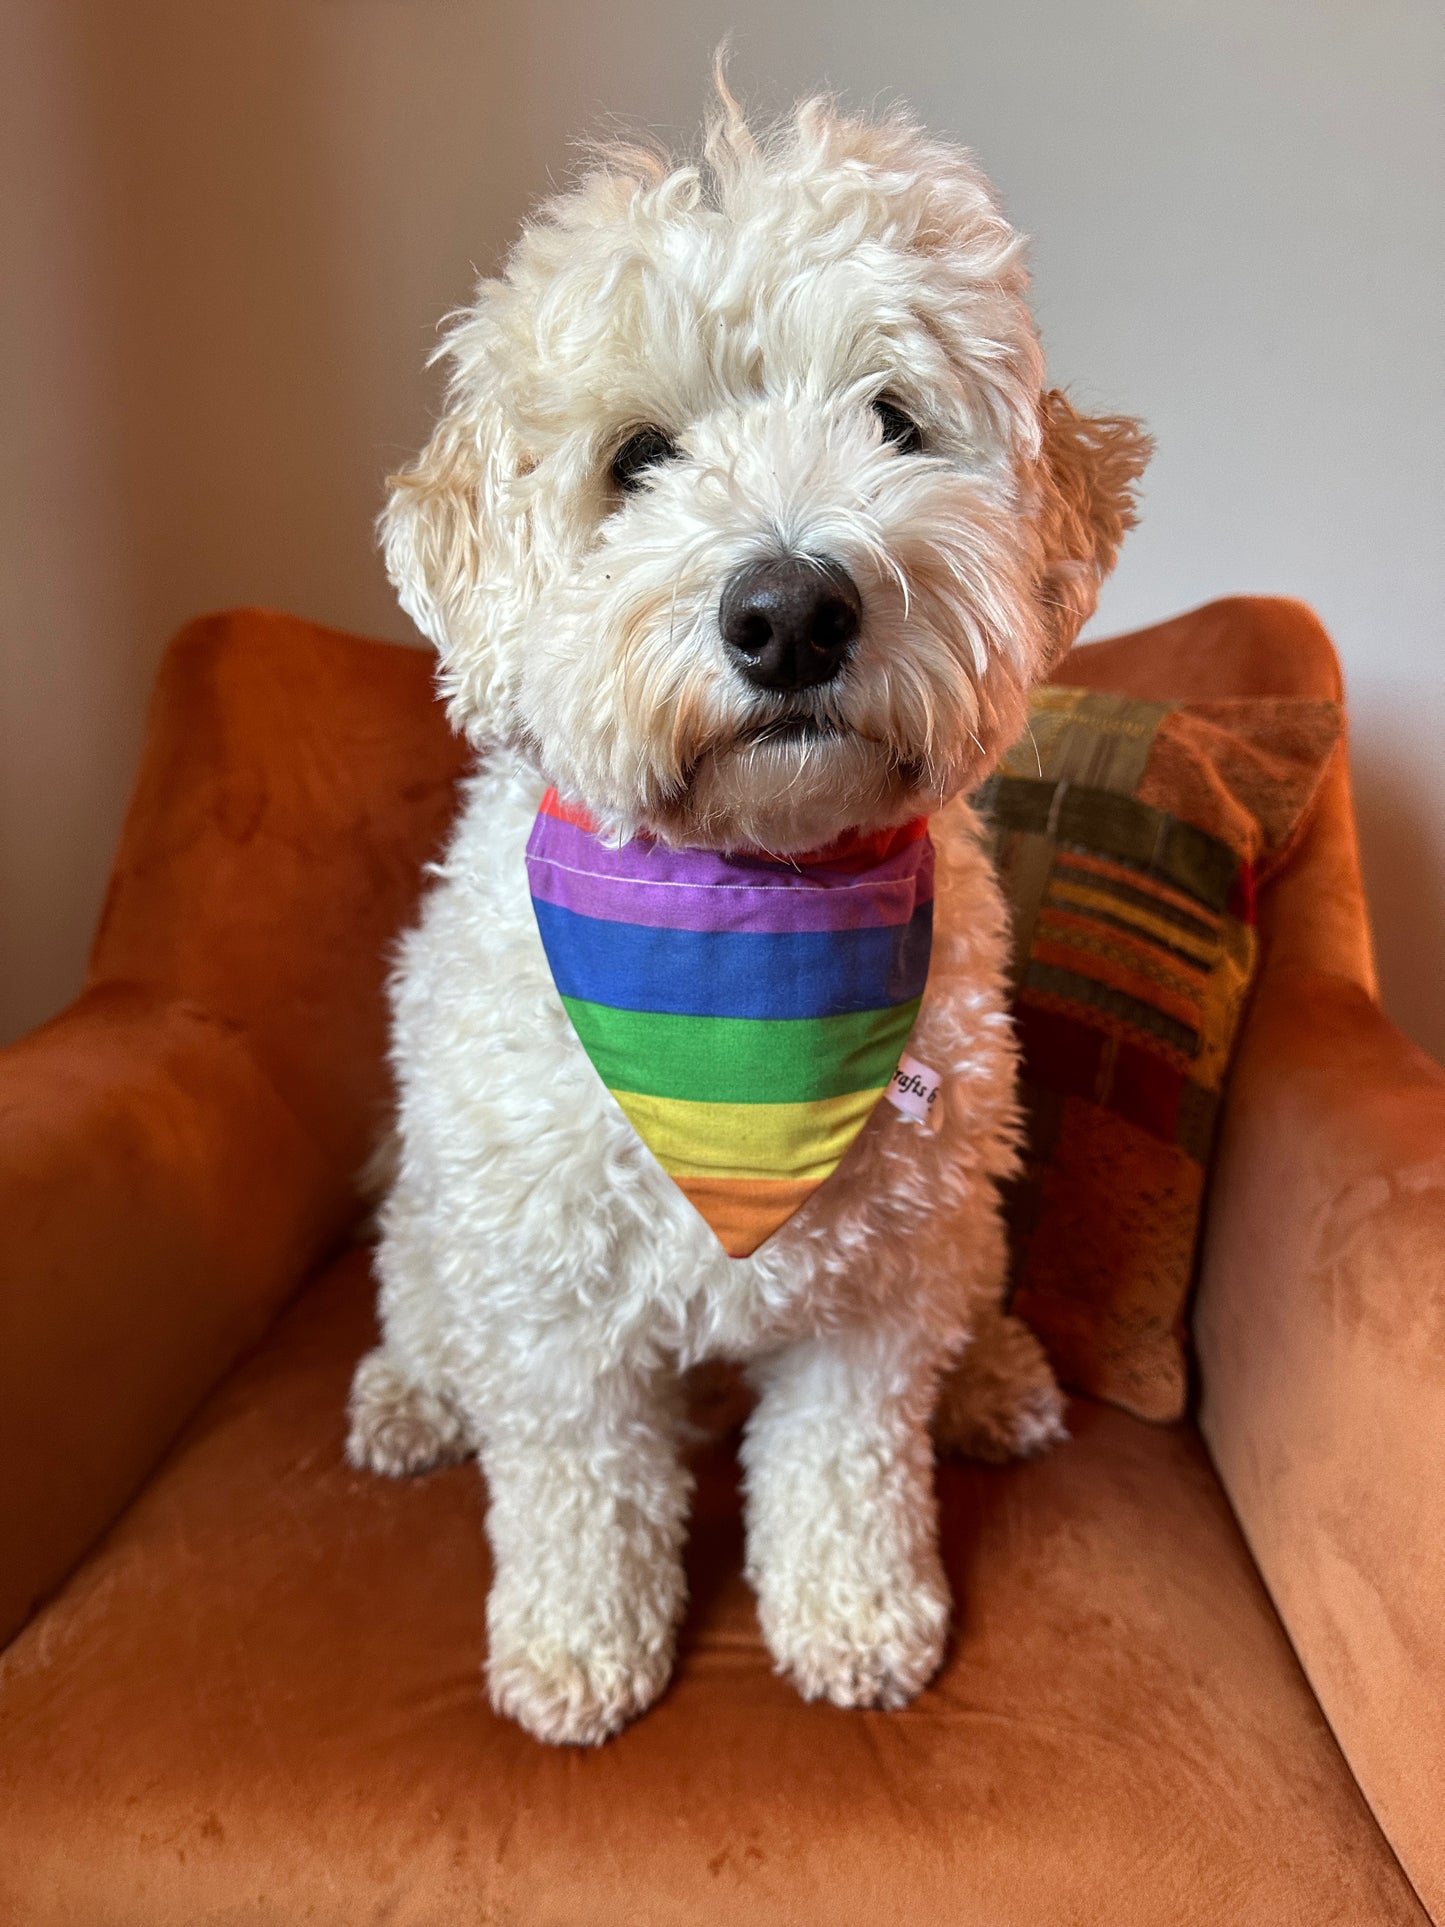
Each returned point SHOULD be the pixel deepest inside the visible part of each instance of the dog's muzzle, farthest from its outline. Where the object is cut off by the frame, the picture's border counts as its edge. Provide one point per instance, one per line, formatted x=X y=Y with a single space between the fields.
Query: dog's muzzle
x=790 y=623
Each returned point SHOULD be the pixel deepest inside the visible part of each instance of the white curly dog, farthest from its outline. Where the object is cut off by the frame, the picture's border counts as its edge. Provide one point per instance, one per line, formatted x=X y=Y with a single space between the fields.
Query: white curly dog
x=806 y=345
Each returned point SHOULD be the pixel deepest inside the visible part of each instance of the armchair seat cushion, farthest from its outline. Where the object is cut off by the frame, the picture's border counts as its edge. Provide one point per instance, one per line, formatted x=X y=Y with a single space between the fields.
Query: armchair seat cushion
x=260 y=1700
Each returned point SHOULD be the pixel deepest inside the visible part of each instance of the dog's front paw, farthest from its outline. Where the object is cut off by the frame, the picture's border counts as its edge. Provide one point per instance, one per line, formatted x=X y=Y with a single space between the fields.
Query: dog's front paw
x=1000 y=1401
x=398 y=1427
x=576 y=1698
x=876 y=1650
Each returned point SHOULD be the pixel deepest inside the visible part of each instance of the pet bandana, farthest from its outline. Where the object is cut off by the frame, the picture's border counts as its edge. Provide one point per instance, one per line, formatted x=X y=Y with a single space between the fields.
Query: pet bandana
x=747 y=1012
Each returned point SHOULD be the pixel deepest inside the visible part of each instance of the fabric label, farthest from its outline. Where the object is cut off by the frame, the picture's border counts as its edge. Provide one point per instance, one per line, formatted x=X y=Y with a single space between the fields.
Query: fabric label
x=914 y=1090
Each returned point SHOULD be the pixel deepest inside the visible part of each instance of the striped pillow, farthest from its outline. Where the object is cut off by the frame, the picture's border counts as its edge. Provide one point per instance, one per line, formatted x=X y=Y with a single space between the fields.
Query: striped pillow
x=1130 y=837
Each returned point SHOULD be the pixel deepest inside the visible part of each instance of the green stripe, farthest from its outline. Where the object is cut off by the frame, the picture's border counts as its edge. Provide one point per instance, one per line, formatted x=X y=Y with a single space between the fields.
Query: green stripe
x=1194 y=862
x=1101 y=742
x=743 y=1060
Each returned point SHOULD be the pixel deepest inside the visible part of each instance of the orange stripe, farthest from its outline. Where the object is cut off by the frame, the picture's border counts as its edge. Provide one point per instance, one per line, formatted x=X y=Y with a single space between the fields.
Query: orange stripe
x=745 y=1211
x=1091 y=897
x=1173 y=972
x=1102 y=970
x=1139 y=880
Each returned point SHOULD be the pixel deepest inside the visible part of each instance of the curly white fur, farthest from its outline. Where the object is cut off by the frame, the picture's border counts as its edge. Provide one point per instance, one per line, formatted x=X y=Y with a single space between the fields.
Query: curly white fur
x=544 y=1283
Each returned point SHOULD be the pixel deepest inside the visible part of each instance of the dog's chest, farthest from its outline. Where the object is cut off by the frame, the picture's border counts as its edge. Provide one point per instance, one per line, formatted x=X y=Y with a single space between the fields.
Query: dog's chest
x=553 y=1157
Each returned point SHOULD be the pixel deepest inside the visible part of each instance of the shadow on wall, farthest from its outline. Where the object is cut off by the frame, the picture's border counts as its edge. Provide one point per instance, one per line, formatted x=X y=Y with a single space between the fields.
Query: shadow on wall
x=1405 y=881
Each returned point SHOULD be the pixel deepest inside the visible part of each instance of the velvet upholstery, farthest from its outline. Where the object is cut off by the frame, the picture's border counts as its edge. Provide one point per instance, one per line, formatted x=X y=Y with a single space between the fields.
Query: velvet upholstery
x=181 y=1148
x=1321 y=1336
x=258 y=1698
x=280 y=1658
x=294 y=781
x=129 y=1130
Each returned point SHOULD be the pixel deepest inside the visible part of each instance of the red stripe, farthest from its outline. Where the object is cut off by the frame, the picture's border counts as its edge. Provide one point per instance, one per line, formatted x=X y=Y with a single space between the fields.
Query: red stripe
x=552 y=805
x=1146 y=1091
x=1061 y=1054
x=849 y=853
x=855 y=852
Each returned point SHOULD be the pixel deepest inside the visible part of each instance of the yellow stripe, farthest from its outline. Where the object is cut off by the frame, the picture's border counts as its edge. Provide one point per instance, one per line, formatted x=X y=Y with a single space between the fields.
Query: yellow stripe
x=1205 y=949
x=787 y=1141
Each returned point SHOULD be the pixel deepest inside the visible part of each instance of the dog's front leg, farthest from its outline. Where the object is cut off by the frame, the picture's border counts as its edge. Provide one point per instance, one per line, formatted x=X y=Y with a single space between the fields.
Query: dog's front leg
x=588 y=1504
x=842 y=1518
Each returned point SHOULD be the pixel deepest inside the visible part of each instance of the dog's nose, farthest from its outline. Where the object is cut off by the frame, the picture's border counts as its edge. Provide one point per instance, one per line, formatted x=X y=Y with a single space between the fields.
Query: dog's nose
x=790 y=623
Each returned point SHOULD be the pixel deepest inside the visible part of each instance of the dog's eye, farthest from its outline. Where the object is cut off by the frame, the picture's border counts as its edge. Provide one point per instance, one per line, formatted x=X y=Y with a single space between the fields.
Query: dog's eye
x=645 y=449
x=899 y=429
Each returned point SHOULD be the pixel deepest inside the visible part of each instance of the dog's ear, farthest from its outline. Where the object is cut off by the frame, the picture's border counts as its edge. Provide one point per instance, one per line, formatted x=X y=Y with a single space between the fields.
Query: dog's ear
x=455 y=536
x=1089 y=466
x=429 y=530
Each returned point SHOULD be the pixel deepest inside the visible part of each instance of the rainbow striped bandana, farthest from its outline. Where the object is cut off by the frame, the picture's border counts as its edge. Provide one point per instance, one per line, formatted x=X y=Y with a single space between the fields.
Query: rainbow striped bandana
x=747 y=1012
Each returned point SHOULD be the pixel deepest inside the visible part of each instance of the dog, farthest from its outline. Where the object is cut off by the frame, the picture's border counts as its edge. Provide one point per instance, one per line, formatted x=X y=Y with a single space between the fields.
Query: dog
x=803 y=358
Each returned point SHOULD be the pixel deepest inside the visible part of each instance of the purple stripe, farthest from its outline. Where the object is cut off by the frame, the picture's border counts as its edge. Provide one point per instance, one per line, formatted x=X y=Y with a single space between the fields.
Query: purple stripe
x=644 y=861
x=648 y=883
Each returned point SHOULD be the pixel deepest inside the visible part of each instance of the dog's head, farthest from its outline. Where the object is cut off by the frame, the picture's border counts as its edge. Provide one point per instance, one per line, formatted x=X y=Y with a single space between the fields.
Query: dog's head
x=749 y=517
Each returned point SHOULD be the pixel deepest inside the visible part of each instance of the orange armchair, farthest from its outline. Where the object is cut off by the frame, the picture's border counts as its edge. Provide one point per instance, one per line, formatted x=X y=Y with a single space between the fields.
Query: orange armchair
x=1199 y=1672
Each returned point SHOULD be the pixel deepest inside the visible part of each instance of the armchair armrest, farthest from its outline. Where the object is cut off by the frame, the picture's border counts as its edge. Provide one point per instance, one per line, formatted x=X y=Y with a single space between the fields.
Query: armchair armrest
x=181 y=1146
x=158 y=1202
x=1321 y=1337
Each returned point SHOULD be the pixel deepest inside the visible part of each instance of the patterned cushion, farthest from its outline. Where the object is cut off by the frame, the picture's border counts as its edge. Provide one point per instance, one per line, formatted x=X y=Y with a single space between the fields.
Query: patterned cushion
x=1131 y=837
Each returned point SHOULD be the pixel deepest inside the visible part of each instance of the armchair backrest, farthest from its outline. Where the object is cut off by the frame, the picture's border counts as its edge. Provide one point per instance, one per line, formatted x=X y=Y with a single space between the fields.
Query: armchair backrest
x=295 y=782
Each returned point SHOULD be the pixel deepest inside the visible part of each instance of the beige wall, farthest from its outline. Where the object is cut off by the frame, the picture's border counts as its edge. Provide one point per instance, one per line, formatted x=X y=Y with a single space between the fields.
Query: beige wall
x=224 y=257
x=228 y=230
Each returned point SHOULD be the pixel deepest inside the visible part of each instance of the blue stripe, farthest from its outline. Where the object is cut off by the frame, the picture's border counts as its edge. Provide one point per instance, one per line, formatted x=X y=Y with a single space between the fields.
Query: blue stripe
x=690 y=973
